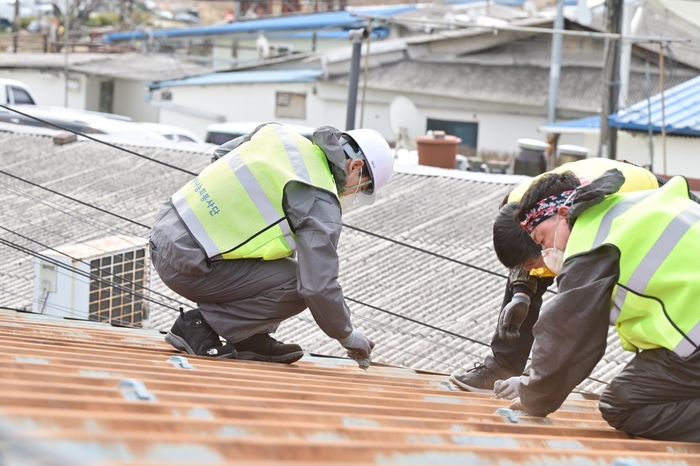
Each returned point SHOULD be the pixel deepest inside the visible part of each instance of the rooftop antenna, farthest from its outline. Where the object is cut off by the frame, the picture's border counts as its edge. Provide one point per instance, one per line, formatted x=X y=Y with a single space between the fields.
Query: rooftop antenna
x=406 y=123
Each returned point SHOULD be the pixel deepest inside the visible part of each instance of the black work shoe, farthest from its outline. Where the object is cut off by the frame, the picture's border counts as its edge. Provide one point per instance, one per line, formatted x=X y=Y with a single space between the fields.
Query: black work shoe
x=479 y=379
x=262 y=347
x=192 y=334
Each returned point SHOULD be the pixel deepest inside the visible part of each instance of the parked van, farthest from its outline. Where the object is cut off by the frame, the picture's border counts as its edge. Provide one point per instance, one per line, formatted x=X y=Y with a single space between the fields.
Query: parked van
x=219 y=133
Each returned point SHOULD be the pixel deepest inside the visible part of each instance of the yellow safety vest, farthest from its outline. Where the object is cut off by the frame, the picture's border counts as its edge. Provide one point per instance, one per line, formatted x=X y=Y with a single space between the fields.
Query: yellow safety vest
x=655 y=301
x=636 y=179
x=234 y=207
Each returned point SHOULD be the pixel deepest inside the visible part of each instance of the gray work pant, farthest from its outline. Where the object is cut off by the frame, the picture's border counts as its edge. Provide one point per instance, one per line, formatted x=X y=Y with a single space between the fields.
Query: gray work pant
x=657 y=396
x=239 y=298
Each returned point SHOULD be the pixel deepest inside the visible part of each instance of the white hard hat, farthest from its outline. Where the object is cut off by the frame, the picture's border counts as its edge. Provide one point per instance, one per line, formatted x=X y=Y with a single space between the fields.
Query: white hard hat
x=377 y=154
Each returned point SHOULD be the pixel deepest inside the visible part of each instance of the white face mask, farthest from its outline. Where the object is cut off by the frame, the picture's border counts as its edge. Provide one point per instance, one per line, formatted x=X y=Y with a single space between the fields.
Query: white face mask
x=553 y=257
x=346 y=200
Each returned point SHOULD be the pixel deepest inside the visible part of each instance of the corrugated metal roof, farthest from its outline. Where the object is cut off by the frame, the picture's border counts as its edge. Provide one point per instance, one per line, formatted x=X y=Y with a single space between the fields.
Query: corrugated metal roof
x=681 y=106
x=242 y=77
x=85 y=393
x=334 y=19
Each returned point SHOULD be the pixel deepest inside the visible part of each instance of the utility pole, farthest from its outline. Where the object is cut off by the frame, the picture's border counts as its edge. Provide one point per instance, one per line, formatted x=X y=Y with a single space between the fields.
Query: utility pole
x=628 y=9
x=15 y=27
x=65 y=51
x=554 y=74
x=356 y=35
x=611 y=79
x=663 y=104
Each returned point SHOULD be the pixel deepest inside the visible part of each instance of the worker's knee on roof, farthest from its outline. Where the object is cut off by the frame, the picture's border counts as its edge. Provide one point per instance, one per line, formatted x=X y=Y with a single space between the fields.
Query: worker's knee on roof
x=613 y=407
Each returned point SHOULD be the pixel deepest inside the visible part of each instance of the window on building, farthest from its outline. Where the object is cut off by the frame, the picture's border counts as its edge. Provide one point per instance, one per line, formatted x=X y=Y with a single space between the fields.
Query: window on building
x=290 y=105
x=466 y=131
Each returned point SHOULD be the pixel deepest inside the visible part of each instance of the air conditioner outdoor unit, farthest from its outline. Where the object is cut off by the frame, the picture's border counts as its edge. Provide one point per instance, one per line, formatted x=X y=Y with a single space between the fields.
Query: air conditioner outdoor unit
x=105 y=280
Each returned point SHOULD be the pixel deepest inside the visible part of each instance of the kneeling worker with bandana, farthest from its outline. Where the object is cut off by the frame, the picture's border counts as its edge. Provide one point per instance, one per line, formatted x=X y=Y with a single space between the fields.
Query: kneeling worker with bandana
x=628 y=260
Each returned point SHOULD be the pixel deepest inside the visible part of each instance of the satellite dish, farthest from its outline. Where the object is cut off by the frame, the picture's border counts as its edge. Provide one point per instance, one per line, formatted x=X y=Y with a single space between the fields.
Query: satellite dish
x=406 y=122
x=584 y=13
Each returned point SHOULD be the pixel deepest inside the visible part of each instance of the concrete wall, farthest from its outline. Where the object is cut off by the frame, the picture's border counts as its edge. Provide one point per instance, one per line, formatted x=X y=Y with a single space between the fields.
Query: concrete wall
x=130 y=100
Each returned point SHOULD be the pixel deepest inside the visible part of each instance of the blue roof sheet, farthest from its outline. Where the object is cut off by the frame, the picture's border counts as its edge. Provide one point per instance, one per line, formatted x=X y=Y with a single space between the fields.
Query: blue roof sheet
x=591 y=122
x=242 y=77
x=334 y=19
x=682 y=109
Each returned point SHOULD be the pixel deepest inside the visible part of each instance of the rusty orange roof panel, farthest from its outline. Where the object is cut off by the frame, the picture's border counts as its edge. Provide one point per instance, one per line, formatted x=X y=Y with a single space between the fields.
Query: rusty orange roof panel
x=86 y=393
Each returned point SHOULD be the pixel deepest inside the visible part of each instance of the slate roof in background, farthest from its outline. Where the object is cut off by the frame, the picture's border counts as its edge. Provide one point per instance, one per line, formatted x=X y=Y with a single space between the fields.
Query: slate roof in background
x=136 y=66
x=445 y=212
x=580 y=86
x=86 y=393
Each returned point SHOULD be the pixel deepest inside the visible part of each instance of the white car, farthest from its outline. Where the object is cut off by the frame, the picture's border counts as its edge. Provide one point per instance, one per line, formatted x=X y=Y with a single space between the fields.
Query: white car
x=173 y=133
x=82 y=121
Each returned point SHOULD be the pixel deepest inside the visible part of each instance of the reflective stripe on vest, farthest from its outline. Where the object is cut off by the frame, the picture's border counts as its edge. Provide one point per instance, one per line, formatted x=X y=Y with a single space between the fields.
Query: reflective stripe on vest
x=641 y=275
x=239 y=213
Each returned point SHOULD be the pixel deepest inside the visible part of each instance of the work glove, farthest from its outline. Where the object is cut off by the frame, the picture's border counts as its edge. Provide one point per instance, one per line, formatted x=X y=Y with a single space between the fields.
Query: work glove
x=507 y=389
x=359 y=348
x=519 y=408
x=512 y=317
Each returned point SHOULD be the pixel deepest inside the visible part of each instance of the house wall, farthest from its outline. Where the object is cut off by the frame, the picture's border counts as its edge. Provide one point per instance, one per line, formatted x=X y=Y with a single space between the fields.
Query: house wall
x=500 y=125
x=239 y=102
x=130 y=100
x=84 y=92
x=49 y=86
x=92 y=97
x=681 y=152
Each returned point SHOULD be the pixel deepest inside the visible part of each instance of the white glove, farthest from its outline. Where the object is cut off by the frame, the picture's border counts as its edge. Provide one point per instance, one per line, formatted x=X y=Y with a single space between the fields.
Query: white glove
x=507 y=389
x=359 y=348
x=359 y=342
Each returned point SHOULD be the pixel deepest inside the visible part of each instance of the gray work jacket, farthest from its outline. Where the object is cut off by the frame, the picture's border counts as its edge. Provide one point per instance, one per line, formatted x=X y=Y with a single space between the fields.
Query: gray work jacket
x=315 y=217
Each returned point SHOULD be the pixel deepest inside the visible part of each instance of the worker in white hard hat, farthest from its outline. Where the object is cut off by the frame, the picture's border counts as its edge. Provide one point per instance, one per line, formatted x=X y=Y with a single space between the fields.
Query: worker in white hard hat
x=226 y=240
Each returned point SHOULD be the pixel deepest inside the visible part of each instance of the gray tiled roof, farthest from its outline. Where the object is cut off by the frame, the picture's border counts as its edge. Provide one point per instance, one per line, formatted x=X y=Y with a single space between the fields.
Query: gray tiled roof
x=445 y=215
x=580 y=87
x=137 y=66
